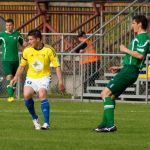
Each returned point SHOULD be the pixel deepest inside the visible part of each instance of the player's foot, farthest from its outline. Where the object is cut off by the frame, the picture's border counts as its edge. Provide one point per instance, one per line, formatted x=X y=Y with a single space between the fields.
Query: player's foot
x=99 y=129
x=37 y=126
x=106 y=129
x=10 y=99
x=45 y=126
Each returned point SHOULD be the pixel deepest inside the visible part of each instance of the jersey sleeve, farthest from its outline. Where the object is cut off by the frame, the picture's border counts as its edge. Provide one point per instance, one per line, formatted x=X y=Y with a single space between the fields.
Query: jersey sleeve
x=142 y=46
x=54 y=58
x=1 y=39
x=24 y=58
x=20 y=39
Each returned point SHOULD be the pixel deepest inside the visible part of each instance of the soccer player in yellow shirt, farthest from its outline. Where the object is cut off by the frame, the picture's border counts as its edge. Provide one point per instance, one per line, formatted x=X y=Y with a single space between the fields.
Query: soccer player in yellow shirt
x=38 y=57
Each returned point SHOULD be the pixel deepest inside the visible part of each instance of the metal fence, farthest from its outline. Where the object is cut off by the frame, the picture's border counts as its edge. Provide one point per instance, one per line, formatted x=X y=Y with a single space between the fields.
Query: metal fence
x=74 y=78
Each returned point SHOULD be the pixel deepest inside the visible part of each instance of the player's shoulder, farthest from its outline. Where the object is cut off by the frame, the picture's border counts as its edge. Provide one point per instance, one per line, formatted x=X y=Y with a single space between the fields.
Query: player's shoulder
x=48 y=46
x=143 y=39
x=142 y=36
x=28 y=48
x=17 y=33
x=2 y=33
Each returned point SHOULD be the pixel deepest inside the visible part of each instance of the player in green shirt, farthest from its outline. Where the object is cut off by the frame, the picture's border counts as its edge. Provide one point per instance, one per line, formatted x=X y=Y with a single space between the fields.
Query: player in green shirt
x=10 y=41
x=133 y=61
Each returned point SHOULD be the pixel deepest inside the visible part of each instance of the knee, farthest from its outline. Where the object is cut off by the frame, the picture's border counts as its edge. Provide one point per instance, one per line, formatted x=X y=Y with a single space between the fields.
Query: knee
x=9 y=77
x=42 y=95
x=27 y=96
x=105 y=93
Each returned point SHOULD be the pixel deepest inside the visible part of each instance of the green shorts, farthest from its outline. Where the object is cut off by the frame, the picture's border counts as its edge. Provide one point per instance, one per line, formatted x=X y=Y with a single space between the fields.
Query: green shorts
x=10 y=67
x=123 y=79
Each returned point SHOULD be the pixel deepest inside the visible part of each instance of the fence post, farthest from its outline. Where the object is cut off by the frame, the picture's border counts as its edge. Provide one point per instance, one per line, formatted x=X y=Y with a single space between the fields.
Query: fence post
x=81 y=81
x=18 y=82
x=147 y=80
x=62 y=50
x=74 y=74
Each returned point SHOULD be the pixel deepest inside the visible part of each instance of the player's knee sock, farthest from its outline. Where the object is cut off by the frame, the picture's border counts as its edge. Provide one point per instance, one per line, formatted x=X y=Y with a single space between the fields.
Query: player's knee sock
x=10 y=90
x=45 y=107
x=30 y=106
x=109 y=111
x=14 y=88
x=114 y=104
x=104 y=121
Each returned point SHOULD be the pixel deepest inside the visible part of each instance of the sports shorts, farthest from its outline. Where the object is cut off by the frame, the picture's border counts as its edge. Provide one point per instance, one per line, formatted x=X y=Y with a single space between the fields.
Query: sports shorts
x=123 y=79
x=38 y=83
x=10 y=67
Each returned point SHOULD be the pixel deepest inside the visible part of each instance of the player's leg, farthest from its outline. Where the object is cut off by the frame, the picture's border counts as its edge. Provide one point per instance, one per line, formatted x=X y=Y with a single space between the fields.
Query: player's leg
x=29 y=89
x=108 y=95
x=10 y=90
x=45 y=107
x=14 y=66
x=115 y=88
x=109 y=106
x=7 y=68
x=108 y=114
x=43 y=86
x=29 y=102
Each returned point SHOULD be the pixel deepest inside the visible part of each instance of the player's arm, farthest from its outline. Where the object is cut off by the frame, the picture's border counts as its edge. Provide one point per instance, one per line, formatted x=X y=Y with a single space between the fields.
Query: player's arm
x=22 y=43
x=55 y=62
x=115 y=69
x=60 y=80
x=17 y=75
x=132 y=53
x=20 y=68
x=1 y=41
x=22 y=47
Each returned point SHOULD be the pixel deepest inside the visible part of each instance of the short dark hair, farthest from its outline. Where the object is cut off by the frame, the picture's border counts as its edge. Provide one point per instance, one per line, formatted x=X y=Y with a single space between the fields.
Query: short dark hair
x=141 y=19
x=81 y=33
x=35 y=33
x=10 y=21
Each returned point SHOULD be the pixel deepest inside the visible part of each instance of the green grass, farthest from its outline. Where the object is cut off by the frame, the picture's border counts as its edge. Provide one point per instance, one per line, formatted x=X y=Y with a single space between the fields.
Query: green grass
x=71 y=127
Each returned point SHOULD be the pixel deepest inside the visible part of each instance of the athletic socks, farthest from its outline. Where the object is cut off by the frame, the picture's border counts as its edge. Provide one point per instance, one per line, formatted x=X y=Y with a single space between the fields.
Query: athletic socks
x=30 y=106
x=45 y=107
x=104 y=121
x=10 y=90
x=108 y=115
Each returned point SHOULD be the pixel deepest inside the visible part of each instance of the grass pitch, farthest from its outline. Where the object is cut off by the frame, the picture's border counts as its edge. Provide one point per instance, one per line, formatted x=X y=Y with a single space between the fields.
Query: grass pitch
x=71 y=127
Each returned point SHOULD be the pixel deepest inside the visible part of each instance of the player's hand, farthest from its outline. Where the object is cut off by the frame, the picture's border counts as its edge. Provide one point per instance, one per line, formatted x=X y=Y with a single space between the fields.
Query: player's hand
x=114 y=69
x=25 y=43
x=61 y=88
x=123 y=48
x=82 y=51
x=13 y=81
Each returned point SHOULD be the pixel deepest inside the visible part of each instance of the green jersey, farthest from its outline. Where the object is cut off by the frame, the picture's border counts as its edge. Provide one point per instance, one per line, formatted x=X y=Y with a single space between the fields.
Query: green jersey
x=140 y=44
x=9 y=42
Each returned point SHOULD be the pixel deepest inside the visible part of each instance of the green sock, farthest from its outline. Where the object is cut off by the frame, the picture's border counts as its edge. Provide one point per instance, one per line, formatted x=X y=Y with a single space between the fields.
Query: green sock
x=109 y=111
x=103 y=122
x=10 y=90
x=14 y=87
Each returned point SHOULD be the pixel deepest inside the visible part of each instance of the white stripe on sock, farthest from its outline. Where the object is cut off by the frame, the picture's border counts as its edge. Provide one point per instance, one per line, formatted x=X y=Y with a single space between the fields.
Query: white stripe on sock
x=108 y=106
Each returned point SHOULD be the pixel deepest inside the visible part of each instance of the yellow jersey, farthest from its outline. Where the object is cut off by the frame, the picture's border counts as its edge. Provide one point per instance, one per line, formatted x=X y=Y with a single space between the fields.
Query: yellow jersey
x=38 y=61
